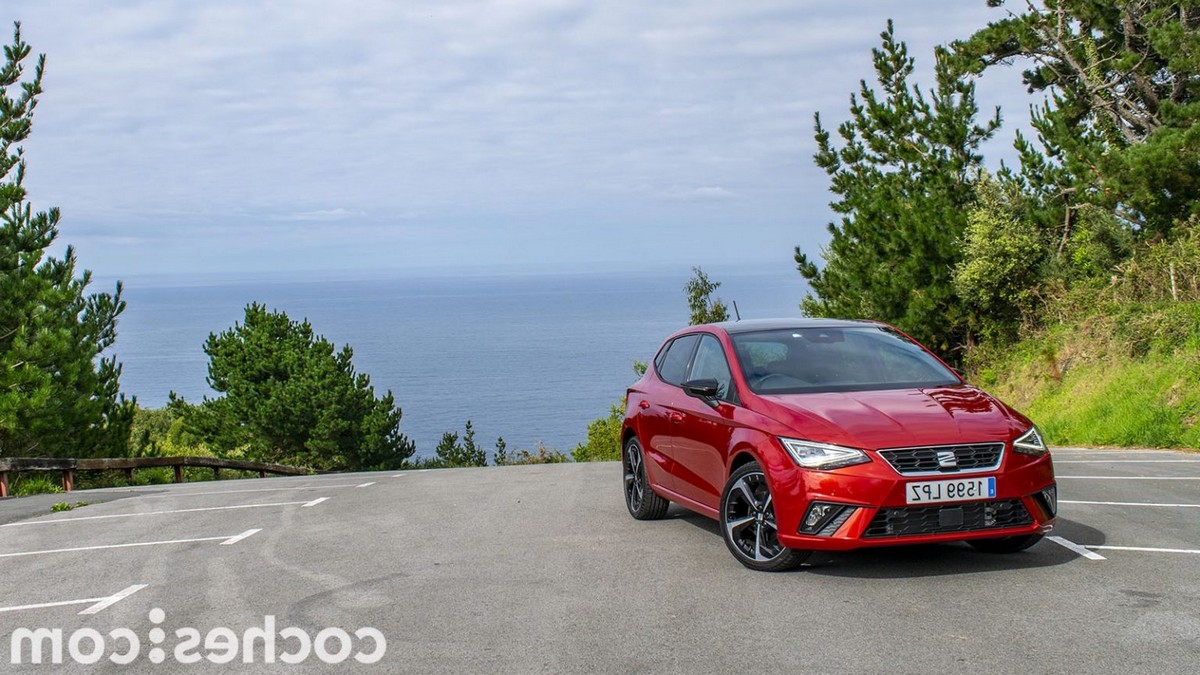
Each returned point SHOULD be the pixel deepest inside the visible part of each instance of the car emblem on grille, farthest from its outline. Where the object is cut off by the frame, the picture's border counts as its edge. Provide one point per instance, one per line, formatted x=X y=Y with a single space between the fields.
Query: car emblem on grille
x=946 y=459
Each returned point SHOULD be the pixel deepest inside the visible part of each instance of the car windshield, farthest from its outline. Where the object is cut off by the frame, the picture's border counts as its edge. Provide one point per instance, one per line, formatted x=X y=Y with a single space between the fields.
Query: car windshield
x=811 y=360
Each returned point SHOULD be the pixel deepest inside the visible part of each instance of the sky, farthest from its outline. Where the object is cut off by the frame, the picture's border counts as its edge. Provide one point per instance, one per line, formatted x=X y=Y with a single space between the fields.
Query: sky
x=235 y=137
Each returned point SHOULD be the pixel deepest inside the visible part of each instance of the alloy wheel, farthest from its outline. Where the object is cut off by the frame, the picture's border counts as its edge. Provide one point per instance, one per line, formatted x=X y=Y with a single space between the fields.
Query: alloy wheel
x=750 y=518
x=635 y=477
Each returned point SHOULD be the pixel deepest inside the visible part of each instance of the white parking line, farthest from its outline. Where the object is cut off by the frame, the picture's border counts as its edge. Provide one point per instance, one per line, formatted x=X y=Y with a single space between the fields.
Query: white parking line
x=112 y=600
x=1147 y=549
x=236 y=538
x=1184 y=506
x=1076 y=548
x=186 y=493
x=160 y=513
x=226 y=539
x=97 y=605
x=365 y=484
x=1135 y=477
x=314 y=502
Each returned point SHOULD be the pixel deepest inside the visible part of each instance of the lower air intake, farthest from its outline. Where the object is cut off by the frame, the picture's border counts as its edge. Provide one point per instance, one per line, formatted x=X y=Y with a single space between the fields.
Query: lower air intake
x=917 y=520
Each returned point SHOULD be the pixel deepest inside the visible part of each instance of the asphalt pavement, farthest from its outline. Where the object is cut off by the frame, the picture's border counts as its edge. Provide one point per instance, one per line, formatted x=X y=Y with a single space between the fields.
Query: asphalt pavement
x=540 y=569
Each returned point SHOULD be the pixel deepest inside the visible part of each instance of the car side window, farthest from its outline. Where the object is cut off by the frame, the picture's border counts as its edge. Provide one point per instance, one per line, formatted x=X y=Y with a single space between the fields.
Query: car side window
x=710 y=363
x=673 y=363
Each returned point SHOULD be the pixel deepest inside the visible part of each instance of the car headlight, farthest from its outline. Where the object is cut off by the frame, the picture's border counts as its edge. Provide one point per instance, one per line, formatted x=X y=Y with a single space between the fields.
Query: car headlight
x=821 y=456
x=1030 y=443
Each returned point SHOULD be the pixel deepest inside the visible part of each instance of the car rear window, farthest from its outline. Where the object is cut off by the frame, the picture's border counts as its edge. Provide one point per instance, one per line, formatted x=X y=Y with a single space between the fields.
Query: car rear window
x=810 y=360
x=672 y=364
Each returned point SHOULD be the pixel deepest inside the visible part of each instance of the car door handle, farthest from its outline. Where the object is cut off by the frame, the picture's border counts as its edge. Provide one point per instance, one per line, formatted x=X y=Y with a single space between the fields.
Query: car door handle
x=676 y=417
x=644 y=404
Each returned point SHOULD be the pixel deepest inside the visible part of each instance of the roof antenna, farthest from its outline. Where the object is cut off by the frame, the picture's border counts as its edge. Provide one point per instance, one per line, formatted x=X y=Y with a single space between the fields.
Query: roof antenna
x=736 y=312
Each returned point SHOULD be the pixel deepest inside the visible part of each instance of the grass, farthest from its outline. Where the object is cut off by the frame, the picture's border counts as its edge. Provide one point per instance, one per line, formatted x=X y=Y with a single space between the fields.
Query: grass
x=1146 y=403
x=1128 y=376
x=35 y=484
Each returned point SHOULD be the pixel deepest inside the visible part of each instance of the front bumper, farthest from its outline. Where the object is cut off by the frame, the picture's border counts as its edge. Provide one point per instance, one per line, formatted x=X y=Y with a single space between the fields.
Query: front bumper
x=879 y=515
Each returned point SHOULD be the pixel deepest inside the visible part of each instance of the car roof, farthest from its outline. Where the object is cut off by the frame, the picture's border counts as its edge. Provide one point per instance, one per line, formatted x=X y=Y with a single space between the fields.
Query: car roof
x=754 y=325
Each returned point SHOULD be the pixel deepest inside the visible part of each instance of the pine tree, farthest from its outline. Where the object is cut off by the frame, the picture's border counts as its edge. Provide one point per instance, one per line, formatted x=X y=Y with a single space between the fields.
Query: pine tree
x=500 y=458
x=58 y=395
x=904 y=180
x=454 y=452
x=289 y=397
x=1121 y=128
x=449 y=450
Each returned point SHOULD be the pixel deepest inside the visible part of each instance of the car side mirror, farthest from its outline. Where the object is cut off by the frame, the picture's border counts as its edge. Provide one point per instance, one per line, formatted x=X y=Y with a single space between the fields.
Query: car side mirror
x=704 y=389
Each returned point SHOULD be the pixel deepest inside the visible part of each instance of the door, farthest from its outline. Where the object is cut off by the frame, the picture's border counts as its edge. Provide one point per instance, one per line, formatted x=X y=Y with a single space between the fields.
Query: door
x=659 y=412
x=703 y=432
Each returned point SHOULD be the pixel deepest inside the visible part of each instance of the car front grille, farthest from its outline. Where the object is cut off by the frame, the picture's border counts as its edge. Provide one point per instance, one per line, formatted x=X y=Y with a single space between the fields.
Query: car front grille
x=939 y=459
x=971 y=517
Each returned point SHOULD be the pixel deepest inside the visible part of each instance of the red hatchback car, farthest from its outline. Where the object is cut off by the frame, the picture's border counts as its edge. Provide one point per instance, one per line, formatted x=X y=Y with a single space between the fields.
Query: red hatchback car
x=813 y=434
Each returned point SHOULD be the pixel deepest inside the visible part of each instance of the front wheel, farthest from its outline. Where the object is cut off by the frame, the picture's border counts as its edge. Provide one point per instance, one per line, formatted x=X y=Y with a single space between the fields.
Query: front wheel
x=748 y=523
x=1005 y=544
x=643 y=502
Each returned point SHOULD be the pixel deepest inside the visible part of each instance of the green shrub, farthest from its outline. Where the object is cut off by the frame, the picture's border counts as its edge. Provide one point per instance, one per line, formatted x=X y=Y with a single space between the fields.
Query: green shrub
x=603 y=442
x=35 y=484
x=1164 y=270
x=1003 y=256
x=540 y=455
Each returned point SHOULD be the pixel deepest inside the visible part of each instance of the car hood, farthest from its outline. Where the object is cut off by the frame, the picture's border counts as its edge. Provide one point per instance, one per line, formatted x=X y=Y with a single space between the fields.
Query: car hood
x=896 y=417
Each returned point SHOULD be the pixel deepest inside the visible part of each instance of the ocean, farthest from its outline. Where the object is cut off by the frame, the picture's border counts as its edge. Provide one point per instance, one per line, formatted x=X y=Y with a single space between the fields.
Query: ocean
x=528 y=358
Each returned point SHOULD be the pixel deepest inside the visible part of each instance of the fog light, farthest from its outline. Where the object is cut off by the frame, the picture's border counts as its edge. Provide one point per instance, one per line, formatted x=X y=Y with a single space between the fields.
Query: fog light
x=1049 y=500
x=816 y=514
x=821 y=514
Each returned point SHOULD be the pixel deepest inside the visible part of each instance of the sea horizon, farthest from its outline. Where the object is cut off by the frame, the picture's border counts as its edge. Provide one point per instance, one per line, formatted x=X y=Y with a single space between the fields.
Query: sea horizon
x=528 y=357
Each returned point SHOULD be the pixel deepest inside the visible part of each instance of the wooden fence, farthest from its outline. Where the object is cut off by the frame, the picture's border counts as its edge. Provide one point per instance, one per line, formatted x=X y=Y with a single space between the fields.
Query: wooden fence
x=68 y=467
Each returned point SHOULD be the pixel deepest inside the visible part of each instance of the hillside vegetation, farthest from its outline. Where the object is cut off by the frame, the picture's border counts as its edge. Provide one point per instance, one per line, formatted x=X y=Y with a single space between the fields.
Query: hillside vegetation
x=1128 y=377
x=1117 y=364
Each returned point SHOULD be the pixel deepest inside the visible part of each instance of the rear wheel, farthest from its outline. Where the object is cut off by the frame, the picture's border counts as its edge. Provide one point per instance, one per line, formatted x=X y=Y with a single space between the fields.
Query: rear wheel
x=1005 y=544
x=643 y=503
x=748 y=523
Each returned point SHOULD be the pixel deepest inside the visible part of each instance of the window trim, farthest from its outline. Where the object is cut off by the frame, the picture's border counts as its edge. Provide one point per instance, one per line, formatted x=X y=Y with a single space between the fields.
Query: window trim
x=731 y=395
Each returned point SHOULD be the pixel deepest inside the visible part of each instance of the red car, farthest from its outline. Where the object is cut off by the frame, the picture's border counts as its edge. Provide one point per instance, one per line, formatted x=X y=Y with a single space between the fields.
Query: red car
x=811 y=434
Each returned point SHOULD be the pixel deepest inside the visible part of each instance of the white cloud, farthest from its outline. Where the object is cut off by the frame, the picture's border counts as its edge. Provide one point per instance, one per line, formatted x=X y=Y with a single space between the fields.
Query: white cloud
x=507 y=119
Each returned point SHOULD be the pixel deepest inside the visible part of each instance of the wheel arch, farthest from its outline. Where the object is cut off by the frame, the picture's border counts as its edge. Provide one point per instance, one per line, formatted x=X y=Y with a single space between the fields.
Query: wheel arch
x=741 y=455
x=627 y=432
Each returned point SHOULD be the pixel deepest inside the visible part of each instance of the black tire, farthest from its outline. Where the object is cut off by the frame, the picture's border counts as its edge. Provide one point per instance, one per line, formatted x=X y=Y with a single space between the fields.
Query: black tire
x=1005 y=544
x=748 y=523
x=642 y=501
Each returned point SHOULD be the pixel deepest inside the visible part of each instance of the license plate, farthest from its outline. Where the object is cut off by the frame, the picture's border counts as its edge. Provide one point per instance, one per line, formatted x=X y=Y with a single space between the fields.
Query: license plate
x=957 y=490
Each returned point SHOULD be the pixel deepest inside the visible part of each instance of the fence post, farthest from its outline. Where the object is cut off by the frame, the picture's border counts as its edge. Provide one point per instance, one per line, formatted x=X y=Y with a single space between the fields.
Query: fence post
x=3 y=484
x=129 y=475
x=216 y=473
x=178 y=473
x=68 y=480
